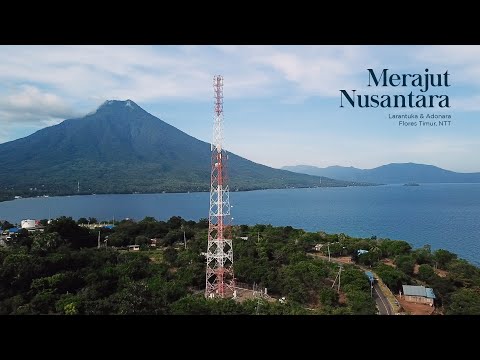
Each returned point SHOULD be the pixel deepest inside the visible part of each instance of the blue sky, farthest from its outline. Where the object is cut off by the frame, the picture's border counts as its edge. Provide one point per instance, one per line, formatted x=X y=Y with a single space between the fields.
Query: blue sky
x=281 y=102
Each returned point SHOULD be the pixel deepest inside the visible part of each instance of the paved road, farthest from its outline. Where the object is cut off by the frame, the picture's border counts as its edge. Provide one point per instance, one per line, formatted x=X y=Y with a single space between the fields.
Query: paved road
x=382 y=302
x=380 y=298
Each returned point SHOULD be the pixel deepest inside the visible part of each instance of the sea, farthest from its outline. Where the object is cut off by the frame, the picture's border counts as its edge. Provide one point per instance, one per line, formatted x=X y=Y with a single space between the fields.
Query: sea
x=445 y=216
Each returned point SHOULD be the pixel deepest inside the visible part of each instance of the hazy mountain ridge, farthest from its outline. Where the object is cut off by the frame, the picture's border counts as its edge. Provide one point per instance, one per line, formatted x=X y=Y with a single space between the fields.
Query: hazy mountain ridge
x=394 y=173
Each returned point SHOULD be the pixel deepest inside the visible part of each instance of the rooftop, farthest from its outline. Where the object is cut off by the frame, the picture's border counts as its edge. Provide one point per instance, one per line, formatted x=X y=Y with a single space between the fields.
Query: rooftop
x=418 y=291
x=370 y=275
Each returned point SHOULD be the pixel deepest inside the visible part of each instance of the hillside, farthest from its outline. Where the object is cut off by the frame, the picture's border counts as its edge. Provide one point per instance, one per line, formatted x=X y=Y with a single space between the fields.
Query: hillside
x=60 y=271
x=121 y=148
x=390 y=174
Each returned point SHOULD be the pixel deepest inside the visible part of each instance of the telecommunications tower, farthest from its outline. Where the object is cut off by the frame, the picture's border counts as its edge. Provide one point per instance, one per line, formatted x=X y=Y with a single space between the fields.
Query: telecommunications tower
x=219 y=274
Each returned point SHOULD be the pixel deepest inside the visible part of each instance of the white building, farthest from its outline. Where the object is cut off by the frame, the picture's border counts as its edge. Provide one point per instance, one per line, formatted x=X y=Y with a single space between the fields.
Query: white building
x=28 y=224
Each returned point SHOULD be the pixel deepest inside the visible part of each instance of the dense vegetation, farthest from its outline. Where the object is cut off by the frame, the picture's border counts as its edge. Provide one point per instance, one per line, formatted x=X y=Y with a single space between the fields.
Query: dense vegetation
x=456 y=282
x=60 y=271
x=121 y=148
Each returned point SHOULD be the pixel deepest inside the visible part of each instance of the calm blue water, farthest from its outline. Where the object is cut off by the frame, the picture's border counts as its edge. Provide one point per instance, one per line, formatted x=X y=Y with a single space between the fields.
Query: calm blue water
x=443 y=215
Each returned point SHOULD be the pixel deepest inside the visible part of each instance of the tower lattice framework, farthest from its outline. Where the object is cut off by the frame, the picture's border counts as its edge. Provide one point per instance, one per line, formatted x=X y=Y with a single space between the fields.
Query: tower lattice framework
x=219 y=274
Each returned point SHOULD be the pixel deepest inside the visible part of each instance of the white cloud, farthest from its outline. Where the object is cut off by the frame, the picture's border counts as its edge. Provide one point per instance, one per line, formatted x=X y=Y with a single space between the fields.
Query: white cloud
x=152 y=73
x=30 y=104
x=142 y=73
x=62 y=78
x=312 y=70
x=461 y=61
x=148 y=73
x=468 y=103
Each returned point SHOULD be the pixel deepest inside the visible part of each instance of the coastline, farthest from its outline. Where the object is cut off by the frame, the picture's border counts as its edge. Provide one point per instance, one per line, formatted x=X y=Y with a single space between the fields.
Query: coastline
x=14 y=197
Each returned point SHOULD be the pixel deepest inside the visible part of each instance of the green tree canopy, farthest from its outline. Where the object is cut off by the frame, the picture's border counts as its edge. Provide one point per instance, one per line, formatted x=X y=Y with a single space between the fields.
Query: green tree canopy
x=464 y=302
x=405 y=263
x=443 y=258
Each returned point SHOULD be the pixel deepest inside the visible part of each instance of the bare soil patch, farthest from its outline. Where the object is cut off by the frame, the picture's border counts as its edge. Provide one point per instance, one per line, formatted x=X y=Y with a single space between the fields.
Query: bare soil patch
x=414 y=308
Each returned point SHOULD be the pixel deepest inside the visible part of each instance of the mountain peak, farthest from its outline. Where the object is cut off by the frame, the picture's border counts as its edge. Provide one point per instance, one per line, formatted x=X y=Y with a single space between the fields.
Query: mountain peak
x=121 y=148
x=117 y=103
x=109 y=105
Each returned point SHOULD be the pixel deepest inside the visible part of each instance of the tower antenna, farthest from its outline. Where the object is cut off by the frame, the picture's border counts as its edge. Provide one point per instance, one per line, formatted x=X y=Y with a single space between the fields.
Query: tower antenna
x=220 y=280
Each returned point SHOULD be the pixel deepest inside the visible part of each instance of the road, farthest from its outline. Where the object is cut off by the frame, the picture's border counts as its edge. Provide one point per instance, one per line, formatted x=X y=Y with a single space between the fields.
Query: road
x=382 y=302
x=380 y=298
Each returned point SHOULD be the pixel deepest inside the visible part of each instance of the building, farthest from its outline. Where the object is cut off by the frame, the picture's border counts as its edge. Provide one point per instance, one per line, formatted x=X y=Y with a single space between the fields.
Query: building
x=418 y=294
x=14 y=230
x=29 y=224
x=133 y=247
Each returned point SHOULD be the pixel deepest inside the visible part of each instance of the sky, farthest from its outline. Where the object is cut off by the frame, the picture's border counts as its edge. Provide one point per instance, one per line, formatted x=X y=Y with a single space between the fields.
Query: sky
x=281 y=105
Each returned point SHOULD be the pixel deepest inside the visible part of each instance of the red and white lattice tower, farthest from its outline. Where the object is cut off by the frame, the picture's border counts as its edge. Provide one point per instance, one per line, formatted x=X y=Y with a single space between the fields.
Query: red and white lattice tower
x=219 y=274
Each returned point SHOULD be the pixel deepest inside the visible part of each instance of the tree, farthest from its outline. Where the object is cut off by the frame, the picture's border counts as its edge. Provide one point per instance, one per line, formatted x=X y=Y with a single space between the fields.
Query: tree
x=141 y=240
x=190 y=305
x=425 y=272
x=202 y=223
x=393 y=247
x=243 y=230
x=44 y=242
x=392 y=277
x=70 y=309
x=175 y=222
x=376 y=252
x=464 y=302
x=170 y=255
x=92 y=220
x=134 y=298
x=76 y=236
x=360 y=303
x=82 y=221
x=336 y=249
x=443 y=288
x=328 y=296
x=463 y=273
x=423 y=256
x=43 y=302
x=443 y=258
x=405 y=263
x=6 y=225
x=368 y=259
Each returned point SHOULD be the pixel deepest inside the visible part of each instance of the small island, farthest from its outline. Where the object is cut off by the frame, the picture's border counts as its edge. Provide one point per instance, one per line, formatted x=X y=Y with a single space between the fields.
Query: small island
x=411 y=184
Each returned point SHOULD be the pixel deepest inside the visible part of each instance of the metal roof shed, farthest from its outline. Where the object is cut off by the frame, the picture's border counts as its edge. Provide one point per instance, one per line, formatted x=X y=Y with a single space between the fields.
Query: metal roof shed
x=410 y=290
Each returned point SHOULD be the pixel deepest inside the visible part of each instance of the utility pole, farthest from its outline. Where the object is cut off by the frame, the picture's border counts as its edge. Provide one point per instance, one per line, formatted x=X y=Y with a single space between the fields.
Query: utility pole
x=98 y=246
x=258 y=306
x=184 y=240
x=78 y=186
x=328 y=247
x=338 y=277
x=220 y=281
